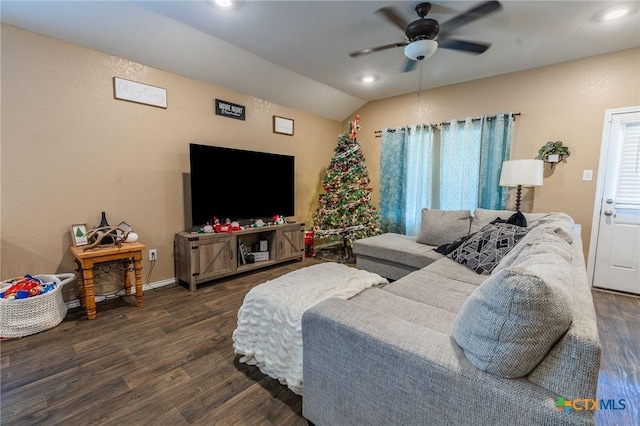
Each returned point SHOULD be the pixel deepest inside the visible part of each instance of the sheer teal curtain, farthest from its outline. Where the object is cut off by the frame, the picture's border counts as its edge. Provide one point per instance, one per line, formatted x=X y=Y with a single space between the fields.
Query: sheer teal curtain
x=495 y=148
x=392 y=178
x=459 y=164
x=420 y=163
x=452 y=169
x=406 y=177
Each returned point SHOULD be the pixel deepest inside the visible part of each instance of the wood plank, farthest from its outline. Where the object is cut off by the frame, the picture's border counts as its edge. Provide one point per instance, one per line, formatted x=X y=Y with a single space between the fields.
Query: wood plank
x=171 y=361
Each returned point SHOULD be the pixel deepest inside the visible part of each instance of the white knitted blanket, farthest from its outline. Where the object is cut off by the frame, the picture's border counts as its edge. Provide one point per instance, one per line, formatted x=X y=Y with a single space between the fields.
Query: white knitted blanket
x=269 y=332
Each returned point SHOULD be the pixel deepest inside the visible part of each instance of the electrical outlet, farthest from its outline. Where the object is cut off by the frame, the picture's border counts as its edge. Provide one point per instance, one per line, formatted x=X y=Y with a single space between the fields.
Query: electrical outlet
x=153 y=255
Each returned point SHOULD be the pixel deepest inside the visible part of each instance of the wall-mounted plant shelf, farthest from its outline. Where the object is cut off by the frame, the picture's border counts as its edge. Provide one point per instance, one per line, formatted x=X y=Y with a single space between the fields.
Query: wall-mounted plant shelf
x=553 y=153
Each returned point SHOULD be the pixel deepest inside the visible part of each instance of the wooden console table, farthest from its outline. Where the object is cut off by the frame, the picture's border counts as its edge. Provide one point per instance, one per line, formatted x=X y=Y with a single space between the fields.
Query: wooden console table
x=85 y=260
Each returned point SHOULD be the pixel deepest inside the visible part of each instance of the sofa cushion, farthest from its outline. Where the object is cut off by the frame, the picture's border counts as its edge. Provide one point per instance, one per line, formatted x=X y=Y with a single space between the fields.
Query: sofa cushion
x=406 y=309
x=396 y=248
x=485 y=249
x=511 y=321
x=448 y=268
x=433 y=289
x=443 y=226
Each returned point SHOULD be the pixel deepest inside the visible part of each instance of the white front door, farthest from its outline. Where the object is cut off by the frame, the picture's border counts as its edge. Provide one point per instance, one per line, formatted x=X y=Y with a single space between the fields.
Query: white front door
x=615 y=242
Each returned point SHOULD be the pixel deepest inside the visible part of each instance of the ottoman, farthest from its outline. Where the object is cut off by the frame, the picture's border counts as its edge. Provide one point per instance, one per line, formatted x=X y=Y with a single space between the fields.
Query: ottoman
x=269 y=331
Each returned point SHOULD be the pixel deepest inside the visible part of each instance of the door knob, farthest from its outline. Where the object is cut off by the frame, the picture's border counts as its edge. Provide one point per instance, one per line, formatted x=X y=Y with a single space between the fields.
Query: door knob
x=609 y=200
x=608 y=212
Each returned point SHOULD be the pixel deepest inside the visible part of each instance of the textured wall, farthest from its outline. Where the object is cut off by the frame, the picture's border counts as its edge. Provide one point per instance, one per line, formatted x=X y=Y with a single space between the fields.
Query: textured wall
x=70 y=150
x=563 y=102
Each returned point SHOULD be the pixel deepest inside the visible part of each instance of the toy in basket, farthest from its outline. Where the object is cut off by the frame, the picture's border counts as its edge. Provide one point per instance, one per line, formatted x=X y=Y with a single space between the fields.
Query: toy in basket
x=22 y=315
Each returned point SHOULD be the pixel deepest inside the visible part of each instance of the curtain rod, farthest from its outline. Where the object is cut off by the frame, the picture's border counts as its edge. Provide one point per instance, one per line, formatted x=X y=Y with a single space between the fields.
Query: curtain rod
x=378 y=133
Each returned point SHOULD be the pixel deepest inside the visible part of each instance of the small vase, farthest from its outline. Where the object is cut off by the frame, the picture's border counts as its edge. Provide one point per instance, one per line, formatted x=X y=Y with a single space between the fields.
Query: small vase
x=103 y=222
x=553 y=158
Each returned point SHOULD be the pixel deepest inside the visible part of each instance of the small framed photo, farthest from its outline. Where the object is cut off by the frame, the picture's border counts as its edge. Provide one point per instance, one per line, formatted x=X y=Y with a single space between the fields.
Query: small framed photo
x=282 y=125
x=79 y=235
x=123 y=226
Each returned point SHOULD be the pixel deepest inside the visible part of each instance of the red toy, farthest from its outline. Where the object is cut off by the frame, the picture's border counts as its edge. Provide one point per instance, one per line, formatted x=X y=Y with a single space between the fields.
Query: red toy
x=23 y=287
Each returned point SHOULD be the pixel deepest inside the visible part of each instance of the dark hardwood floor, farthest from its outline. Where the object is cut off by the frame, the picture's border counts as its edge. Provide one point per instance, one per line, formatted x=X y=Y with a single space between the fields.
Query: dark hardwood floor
x=171 y=362
x=619 y=330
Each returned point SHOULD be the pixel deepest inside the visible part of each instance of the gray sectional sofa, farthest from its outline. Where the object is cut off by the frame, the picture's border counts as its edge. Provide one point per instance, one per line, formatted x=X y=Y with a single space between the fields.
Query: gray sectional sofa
x=445 y=345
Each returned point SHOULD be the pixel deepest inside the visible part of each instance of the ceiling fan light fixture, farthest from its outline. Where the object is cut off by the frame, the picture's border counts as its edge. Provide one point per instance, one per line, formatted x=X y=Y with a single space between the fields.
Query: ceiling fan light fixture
x=420 y=49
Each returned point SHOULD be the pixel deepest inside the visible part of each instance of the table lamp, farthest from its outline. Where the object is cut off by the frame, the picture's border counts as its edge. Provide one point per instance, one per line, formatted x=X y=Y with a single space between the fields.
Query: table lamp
x=521 y=173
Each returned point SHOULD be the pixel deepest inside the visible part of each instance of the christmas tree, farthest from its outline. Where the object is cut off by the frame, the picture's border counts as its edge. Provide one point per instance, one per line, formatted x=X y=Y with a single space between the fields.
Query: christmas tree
x=345 y=209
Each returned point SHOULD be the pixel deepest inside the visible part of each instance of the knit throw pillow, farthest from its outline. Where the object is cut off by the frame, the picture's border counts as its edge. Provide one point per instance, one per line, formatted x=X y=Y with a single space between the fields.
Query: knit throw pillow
x=486 y=248
x=512 y=320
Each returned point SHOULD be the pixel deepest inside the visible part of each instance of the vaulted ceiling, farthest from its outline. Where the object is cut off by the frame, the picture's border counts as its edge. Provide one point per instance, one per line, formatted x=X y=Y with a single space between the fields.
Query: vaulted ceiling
x=295 y=53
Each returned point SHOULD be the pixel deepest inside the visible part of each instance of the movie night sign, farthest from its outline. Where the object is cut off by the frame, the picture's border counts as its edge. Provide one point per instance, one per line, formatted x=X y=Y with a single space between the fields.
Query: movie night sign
x=229 y=109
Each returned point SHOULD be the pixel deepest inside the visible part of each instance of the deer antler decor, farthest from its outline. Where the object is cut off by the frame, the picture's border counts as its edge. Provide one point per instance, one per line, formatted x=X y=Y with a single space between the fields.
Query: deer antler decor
x=98 y=234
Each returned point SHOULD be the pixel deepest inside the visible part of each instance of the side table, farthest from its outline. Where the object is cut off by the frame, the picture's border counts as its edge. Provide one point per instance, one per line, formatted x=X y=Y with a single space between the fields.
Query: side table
x=85 y=260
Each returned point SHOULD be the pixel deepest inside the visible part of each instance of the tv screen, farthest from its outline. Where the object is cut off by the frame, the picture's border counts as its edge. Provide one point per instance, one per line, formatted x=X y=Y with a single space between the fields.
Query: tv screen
x=239 y=185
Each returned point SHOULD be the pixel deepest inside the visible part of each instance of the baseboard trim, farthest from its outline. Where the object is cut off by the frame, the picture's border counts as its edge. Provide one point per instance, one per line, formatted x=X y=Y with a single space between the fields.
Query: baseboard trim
x=99 y=298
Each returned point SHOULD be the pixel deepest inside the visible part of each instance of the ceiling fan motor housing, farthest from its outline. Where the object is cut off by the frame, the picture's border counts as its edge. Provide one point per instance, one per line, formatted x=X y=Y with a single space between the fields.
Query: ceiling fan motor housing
x=422 y=29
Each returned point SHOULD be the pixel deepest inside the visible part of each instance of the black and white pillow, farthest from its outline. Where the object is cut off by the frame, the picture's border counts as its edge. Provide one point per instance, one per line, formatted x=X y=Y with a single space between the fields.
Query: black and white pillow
x=485 y=249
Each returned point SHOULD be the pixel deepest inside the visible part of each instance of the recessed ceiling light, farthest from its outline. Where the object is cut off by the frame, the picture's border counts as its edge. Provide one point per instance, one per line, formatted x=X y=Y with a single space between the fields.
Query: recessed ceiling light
x=369 y=78
x=617 y=13
x=224 y=3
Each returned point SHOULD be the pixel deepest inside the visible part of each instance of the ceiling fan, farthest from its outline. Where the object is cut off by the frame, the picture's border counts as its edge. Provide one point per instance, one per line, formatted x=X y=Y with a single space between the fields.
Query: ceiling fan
x=425 y=35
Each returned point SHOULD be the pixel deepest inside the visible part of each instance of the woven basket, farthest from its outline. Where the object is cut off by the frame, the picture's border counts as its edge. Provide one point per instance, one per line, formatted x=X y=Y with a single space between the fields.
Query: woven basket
x=22 y=317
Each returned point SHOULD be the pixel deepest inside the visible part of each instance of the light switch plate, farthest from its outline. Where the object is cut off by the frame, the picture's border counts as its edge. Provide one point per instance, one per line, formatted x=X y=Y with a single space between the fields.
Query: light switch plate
x=587 y=175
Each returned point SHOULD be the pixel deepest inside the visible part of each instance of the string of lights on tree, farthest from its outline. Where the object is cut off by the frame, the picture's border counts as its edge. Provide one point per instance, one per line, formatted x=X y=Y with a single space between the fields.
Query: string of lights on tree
x=345 y=209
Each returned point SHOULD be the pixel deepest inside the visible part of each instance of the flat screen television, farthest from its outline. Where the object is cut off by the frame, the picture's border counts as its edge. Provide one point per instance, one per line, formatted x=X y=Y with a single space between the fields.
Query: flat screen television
x=239 y=185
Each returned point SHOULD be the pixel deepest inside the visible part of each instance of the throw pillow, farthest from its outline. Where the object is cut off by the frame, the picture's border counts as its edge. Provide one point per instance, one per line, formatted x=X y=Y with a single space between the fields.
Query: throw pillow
x=482 y=217
x=511 y=321
x=551 y=243
x=486 y=248
x=443 y=226
x=450 y=247
x=517 y=219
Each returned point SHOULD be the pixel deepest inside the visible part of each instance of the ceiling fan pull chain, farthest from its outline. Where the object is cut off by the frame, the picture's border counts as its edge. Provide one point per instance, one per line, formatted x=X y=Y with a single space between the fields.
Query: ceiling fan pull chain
x=420 y=85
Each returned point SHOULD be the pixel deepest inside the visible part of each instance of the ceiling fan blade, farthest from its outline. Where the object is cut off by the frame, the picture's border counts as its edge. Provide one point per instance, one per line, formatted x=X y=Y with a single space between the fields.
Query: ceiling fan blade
x=409 y=65
x=469 y=16
x=463 y=46
x=367 y=51
x=391 y=15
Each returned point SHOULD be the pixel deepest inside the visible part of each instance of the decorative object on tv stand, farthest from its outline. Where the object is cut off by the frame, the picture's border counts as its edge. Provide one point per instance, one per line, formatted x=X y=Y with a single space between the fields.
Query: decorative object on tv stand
x=521 y=173
x=553 y=152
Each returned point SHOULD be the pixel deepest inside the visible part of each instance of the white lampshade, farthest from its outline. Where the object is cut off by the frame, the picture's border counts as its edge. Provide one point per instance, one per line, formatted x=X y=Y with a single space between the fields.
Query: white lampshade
x=420 y=49
x=522 y=172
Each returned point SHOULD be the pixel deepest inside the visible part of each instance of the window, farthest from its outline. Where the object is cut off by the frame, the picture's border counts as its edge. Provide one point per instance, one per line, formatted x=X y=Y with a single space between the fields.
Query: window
x=451 y=167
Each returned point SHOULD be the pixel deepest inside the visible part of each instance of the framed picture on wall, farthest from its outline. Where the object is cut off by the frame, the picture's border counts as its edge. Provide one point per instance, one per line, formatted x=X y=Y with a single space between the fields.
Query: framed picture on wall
x=79 y=234
x=282 y=125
